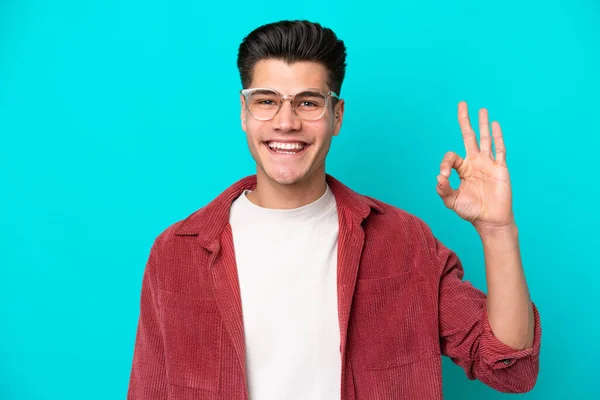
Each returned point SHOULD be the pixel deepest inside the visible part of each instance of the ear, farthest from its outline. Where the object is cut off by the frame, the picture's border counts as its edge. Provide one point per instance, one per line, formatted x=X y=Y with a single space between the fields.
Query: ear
x=243 y=112
x=338 y=116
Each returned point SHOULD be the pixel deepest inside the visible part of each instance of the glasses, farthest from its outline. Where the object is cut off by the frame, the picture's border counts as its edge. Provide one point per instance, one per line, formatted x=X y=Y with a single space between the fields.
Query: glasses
x=264 y=104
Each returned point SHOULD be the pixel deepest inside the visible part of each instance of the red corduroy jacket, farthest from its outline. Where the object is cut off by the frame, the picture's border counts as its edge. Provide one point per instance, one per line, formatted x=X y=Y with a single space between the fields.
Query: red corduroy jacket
x=401 y=299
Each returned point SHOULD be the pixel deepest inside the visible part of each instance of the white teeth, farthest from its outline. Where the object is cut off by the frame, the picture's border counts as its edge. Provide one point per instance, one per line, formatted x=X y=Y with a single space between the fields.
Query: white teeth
x=286 y=146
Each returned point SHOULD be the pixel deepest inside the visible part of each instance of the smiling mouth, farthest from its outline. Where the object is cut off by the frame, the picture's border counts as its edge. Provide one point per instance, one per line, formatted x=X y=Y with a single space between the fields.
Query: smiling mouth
x=286 y=148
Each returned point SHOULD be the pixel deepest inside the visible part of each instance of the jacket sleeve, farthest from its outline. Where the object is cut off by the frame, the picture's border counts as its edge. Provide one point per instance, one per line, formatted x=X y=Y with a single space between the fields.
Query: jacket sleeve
x=148 y=380
x=466 y=335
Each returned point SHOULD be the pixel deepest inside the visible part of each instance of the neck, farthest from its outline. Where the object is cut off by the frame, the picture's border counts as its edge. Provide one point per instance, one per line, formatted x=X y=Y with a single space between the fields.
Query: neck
x=270 y=194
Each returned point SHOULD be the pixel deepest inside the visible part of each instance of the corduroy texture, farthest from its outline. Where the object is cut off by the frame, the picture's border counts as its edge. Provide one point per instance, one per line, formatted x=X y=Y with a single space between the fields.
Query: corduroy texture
x=402 y=303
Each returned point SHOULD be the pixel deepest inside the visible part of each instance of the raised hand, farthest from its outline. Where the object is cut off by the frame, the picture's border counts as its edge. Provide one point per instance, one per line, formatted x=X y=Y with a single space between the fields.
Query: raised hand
x=484 y=196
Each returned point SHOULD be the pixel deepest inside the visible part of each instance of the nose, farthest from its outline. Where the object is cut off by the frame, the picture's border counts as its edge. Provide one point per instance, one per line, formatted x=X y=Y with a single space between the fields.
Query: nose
x=286 y=119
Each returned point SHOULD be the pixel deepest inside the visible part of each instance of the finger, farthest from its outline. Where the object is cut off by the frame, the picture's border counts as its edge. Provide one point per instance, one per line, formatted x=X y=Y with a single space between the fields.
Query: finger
x=467 y=131
x=445 y=191
x=485 y=140
x=499 y=143
x=451 y=160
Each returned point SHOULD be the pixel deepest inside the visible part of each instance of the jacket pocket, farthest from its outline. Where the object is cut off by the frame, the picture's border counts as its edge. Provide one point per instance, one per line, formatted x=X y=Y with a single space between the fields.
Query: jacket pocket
x=394 y=321
x=192 y=337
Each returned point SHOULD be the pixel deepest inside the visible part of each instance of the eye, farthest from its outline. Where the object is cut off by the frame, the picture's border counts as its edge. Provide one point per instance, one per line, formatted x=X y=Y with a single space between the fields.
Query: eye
x=264 y=101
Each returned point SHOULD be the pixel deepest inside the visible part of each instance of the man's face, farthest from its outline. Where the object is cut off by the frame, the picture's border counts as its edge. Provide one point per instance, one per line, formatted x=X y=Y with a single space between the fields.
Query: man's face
x=310 y=140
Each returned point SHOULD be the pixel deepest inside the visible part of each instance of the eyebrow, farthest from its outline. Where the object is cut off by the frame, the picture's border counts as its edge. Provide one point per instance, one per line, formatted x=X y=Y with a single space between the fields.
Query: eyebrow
x=311 y=93
x=264 y=91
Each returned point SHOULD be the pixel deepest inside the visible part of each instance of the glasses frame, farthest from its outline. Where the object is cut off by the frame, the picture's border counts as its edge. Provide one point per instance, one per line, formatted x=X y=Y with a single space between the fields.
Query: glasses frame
x=285 y=97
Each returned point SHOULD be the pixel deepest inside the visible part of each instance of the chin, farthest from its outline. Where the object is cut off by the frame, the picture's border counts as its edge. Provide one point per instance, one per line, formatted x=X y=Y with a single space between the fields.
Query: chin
x=286 y=177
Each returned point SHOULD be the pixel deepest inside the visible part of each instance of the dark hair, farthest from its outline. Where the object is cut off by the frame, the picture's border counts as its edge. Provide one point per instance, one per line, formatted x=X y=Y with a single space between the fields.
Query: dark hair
x=293 y=41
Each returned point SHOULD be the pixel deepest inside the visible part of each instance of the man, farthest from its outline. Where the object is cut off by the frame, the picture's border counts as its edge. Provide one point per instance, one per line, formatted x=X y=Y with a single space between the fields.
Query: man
x=289 y=285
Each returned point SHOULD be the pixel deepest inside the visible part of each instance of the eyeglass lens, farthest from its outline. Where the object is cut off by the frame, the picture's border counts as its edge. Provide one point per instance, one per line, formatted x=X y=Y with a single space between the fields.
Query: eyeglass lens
x=264 y=104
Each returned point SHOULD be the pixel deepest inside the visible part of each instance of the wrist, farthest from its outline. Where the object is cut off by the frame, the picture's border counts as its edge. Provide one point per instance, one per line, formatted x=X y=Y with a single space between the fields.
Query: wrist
x=500 y=232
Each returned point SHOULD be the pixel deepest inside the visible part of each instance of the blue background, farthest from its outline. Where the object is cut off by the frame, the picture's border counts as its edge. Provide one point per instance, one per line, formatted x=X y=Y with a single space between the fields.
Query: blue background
x=118 y=118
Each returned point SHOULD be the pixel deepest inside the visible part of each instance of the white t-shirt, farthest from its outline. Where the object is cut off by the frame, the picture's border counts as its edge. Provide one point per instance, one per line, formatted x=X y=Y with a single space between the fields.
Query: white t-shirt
x=287 y=265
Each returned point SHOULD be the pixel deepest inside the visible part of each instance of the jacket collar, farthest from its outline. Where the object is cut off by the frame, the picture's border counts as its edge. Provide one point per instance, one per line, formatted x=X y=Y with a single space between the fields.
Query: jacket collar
x=209 y=222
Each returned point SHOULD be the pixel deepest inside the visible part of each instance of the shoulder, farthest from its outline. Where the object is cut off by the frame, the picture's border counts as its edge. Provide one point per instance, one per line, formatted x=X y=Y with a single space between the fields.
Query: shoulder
x=404 y=234
x=174 y=236
x=168 y=235
x=393 y=218
x=179 y=263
